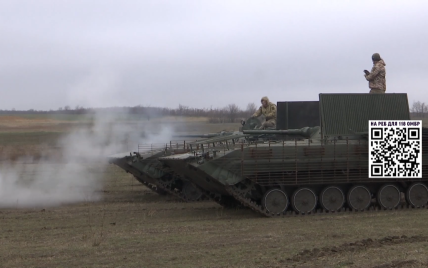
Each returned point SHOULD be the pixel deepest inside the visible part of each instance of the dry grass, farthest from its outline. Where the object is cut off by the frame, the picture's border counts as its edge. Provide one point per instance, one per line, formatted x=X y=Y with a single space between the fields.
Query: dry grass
x=40 y=123
x=134 y=227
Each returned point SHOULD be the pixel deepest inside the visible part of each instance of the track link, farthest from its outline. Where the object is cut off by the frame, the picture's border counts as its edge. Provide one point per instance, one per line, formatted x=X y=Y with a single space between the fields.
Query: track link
x=224 y=201
x=169 y=188
x=161 y=187
x=233 y=191
x=153 y=187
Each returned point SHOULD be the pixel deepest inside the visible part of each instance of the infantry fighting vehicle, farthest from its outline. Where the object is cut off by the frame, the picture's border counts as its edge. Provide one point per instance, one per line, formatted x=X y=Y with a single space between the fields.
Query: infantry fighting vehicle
x=324 y=169
x=146 y=168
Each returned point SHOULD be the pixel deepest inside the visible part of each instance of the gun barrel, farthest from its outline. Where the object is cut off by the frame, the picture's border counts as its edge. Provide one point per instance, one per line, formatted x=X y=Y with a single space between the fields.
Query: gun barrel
x=276 y=132
x=207 y=135
x=306 y=132
x=197 y=136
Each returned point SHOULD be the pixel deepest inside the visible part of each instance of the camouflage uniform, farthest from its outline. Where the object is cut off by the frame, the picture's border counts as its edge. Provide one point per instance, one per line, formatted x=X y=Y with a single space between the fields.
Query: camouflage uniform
x=376 y=78
x=269 y=112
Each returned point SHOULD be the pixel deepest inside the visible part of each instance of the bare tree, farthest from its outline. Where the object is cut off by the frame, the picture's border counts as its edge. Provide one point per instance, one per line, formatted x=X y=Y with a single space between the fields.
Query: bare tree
x=222 y=115
x=419 y=108
x=182 y=110
x=232 y=112
x=251 y=109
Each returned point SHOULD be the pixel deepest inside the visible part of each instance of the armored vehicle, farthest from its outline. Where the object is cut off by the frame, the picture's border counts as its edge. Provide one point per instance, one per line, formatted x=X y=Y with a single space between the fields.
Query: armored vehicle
x=325 y=168
x=146 y=168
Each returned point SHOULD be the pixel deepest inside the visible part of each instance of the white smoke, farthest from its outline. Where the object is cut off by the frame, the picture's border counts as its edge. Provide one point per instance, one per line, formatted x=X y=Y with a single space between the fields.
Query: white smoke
x=77 y=175
x=46 y=184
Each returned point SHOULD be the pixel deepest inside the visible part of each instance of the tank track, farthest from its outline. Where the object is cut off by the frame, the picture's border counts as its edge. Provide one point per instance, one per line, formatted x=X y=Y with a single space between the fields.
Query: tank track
x=224 y=201
x=169 y=188
x=152 y=187
x=247 y=202
x=163 y=188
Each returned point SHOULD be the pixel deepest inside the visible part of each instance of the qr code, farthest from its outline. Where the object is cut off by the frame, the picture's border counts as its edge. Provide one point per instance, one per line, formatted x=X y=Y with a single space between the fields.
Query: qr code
x=395 y=149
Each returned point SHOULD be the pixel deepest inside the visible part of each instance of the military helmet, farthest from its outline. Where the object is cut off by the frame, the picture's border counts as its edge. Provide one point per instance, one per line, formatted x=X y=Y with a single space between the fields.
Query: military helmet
x=376 y=57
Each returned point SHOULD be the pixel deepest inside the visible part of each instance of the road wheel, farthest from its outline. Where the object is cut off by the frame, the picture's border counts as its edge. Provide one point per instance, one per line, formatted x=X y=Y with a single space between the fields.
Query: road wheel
x=359 y=198
x=332 y=198
x=275 y=201
x=389 y=196
x=304 y=200
x=417 y=195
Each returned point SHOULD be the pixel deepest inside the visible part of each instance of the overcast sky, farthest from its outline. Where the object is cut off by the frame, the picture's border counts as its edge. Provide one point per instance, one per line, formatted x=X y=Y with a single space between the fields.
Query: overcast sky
x=200 y=53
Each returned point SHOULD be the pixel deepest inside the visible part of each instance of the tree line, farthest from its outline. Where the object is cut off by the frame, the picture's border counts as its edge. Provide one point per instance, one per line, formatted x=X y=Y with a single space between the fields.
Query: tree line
x=229 y=114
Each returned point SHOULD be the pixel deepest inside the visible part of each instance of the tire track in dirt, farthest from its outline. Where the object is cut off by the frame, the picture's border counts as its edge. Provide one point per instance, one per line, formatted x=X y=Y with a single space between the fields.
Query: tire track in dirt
x=307 y=255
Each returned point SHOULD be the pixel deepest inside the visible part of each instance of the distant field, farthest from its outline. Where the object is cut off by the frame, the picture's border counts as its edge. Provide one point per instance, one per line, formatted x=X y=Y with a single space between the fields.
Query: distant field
x=60 y=117
x=34 y=134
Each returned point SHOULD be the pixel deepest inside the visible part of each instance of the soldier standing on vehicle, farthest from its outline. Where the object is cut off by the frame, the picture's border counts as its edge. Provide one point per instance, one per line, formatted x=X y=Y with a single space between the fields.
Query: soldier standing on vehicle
x=268 y=109
x=376 y=78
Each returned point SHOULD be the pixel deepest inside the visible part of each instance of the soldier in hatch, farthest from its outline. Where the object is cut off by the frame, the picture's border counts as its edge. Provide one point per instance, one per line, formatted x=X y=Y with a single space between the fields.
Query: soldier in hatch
x=376 y=77
x=268 y=109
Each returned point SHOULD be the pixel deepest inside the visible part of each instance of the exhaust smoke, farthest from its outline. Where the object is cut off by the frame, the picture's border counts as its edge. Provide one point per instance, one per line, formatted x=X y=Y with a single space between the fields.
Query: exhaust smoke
x=77 y=175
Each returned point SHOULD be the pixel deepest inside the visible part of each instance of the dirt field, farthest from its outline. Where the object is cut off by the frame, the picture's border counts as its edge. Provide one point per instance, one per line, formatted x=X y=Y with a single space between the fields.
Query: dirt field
x=134 y=227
